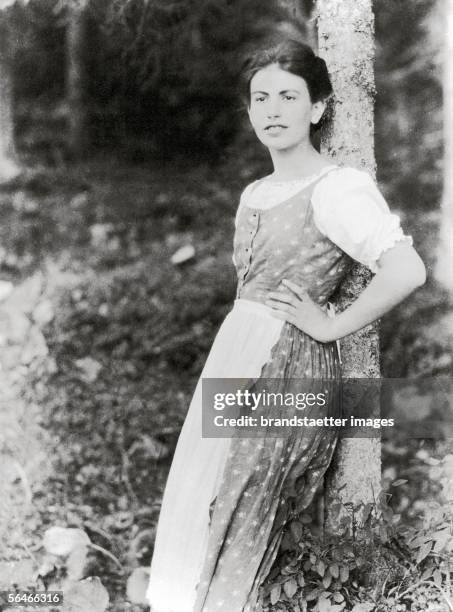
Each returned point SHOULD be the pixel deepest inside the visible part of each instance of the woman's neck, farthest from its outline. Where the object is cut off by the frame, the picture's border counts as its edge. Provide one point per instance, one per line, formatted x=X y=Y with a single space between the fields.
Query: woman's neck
x=298 y=162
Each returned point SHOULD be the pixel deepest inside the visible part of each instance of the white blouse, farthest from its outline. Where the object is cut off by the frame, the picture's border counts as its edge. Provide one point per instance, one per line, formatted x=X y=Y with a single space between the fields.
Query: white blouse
x=348 y=208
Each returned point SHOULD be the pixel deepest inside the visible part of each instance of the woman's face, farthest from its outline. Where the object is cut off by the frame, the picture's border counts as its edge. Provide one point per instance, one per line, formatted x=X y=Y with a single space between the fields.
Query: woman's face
x=280 y=108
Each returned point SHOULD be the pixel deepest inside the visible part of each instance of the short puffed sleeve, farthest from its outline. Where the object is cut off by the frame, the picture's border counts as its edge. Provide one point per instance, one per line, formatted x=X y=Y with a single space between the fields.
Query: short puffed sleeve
x=350 y=210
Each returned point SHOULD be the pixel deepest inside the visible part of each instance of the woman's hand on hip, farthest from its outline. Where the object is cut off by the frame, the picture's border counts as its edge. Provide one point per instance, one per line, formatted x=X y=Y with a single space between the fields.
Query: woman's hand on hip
x=295 y=306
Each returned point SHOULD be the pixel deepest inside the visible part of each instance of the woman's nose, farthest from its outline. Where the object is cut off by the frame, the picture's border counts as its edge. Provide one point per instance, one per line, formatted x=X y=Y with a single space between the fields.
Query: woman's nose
x=273 y=110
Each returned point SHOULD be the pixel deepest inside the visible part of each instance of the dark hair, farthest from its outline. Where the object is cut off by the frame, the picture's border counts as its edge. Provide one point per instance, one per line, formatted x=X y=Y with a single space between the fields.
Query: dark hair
x=291 y=55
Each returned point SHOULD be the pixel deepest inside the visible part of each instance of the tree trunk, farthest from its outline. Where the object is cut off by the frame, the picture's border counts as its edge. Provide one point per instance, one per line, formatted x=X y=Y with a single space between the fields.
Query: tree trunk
x=444 y=266
x=76 y=79
x=9 y=167
x=346 y=42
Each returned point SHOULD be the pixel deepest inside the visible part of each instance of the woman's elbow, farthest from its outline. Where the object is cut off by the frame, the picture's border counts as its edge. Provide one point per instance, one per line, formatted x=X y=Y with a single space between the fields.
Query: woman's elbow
x=405 y=265
x=411 y=269
x=418 y=275
x=411 y=266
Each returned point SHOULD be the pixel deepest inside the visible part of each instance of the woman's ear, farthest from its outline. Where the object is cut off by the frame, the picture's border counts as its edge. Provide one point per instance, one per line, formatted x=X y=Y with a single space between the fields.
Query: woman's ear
x=317 y=111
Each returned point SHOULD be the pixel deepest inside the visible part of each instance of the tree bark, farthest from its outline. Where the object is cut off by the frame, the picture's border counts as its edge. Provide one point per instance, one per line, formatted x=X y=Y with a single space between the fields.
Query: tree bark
x=346 y=42
x=76 y=79
x=9 y=167
x=444 y=265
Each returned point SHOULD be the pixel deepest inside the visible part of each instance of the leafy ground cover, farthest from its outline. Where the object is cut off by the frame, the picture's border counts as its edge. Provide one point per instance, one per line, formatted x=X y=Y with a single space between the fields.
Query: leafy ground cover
x=120 y=277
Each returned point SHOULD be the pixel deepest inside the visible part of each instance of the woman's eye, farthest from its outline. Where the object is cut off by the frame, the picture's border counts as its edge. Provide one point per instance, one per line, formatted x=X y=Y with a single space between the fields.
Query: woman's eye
x=289 y=97
x=260 y=99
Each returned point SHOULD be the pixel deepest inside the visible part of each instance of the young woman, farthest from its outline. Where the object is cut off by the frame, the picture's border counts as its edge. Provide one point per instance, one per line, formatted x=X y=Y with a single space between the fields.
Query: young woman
x=297 y=232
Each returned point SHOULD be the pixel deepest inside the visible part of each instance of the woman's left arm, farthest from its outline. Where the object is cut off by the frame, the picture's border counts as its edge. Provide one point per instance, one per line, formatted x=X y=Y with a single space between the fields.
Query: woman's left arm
x=400 y=271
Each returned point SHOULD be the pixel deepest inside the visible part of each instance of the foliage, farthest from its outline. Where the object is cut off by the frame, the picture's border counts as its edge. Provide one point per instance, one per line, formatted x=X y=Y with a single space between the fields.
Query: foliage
x=164 y=74
x=111 y=426
x=179 y=65
x=376 y=565
x=33 y=39
x=409 y=101
x=61 y=566
x=161 y=79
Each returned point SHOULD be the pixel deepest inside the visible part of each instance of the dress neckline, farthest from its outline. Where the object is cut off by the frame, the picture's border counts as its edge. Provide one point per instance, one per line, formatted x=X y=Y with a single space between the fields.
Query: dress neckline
x=311 y=179
x=303 y=179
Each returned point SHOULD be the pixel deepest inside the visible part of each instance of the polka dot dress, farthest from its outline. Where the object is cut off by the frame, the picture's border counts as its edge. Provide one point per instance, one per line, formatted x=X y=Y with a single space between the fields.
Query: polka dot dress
x=226 y=502
x=267 y=481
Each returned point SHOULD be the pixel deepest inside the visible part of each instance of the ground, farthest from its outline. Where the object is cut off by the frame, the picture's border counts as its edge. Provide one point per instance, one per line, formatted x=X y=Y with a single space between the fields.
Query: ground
x=105 y=333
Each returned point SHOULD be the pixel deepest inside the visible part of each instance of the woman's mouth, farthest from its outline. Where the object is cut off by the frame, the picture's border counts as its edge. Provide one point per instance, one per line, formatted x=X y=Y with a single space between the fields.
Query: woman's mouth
x=275 y=128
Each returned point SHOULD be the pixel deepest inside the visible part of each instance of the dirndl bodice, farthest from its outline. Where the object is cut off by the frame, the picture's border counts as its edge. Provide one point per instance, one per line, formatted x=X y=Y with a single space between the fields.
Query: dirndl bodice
x=283 y=242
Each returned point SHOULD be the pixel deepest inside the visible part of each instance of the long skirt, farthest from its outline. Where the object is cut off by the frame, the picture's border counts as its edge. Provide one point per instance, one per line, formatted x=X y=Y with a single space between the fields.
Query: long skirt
x=227 y=500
